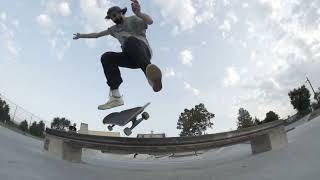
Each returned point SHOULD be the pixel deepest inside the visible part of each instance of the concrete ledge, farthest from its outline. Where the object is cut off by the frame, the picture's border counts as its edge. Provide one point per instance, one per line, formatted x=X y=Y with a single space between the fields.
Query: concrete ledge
x=69 y=146
x=63 y=149
x=273 y=140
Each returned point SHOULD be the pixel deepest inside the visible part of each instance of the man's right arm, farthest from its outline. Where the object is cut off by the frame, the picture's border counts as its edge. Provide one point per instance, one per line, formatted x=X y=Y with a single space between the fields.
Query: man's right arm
x=92 y=35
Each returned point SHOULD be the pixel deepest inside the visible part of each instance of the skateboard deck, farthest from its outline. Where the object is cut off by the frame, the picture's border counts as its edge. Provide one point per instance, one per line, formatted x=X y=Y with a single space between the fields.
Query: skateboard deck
x=124 y=117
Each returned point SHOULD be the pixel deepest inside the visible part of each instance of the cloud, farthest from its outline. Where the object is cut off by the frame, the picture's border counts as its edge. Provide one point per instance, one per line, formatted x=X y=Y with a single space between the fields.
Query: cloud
x=191 y=89
x=58 y=8
x=93 y=13
x=64 y=9
x=15 y=23
x=245 y=5
x=169 y=72
x=232 y=77
x=52 y=11
x=7 y=37
x=3 y=16
x=185 y=14
x=46 y=23
x=186 y=57
x=230 y=20
x=56 y=37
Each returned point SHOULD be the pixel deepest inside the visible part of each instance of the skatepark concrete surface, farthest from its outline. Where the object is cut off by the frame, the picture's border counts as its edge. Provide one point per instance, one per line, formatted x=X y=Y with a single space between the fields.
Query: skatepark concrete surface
x=23 y=157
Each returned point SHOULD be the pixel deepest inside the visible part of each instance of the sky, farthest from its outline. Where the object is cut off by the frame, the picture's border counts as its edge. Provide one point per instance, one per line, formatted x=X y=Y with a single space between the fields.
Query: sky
x=226 y=54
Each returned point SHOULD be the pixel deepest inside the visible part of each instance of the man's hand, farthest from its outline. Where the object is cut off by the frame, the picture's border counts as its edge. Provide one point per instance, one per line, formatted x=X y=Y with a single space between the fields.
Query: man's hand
x=76 y=36
x=136 y=8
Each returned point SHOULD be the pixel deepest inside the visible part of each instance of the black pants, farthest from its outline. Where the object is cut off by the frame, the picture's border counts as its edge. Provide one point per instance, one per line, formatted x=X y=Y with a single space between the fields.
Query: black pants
x=135 y=54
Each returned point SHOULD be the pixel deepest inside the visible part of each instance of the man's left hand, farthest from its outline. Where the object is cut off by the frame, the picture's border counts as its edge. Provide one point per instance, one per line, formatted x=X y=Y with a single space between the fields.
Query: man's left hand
x=136 y=8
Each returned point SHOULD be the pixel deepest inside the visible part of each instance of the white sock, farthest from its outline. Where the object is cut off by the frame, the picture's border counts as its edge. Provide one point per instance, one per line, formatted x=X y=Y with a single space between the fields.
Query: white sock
x=115 y=93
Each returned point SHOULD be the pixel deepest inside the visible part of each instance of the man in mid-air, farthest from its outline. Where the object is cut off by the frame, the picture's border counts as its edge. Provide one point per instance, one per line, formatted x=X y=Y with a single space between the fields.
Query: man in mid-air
x=136 y=52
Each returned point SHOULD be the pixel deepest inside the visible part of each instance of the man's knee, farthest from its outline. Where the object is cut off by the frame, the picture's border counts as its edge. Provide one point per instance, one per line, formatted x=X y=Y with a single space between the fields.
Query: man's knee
x=107 y=58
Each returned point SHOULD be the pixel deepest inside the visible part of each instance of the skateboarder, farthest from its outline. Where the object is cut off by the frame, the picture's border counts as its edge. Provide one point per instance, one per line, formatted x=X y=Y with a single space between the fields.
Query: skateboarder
x=136 y=51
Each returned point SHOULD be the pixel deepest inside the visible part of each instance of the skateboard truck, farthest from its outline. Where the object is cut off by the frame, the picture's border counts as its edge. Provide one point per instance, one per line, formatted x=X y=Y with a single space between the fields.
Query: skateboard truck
x=135 y=122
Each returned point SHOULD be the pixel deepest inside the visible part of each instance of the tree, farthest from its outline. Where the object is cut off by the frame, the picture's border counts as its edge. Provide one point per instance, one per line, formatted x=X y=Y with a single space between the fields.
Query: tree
x=60 y=123
x=257 y=121
x=300 y=99
x=41 y=128
x=4 y=111
x=271 y=116
x=194 y=122
x=37 y=129
x=24 y=126
x=244 y=119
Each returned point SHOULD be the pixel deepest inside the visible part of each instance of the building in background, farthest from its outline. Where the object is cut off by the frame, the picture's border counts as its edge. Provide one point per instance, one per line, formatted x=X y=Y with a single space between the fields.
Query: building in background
x=152 y=135
x=85 y=130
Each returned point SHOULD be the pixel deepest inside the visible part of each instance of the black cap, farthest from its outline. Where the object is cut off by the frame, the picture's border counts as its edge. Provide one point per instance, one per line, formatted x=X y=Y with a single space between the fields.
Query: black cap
x=115 y=9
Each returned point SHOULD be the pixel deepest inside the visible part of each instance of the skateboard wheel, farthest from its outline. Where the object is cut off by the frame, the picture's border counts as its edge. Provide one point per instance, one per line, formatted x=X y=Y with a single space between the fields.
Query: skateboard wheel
x=110 y=128
x=127 y=131
x=145 y=115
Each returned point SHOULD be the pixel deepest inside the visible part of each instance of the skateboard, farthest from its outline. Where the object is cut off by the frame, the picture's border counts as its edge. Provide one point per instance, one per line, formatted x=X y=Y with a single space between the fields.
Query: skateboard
x=124 y=117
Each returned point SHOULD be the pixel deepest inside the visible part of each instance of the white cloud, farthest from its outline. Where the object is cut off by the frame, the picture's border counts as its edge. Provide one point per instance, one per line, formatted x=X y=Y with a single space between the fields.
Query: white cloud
x=230 y=20
x=232 y=77
x=57 y=8
x=245 y=5
x=46 y=23
x=64 y=9
x=253 y=55
x=191 y=89
x=185 y=14
x=56 y=37
x=93 y=13
x=7 y=38
x=53 y=10
x=169 y=72
x=226 y=26
x=16 y=23
x=3 y=16
x=186 y=57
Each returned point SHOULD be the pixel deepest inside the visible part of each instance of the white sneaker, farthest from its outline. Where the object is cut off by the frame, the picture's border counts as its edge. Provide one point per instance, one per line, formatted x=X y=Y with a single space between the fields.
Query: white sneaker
x=112 y=102
x=154 y=77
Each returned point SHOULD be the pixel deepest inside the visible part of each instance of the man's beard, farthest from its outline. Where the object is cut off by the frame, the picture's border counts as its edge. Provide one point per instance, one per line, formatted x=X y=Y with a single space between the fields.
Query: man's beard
x=118 y=21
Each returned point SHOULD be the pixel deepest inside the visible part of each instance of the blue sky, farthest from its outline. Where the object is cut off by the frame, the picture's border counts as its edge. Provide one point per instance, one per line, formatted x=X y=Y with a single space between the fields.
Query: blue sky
x=226 y=54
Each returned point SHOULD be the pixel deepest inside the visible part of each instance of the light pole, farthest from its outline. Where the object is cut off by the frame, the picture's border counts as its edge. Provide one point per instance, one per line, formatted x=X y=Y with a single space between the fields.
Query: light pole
x=316 y=95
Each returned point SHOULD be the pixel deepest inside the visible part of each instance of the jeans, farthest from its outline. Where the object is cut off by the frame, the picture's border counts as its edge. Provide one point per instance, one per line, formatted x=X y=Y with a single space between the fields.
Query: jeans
x=135 y=54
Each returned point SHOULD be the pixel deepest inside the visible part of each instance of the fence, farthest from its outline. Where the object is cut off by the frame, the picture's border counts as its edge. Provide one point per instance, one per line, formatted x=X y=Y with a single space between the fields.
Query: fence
x=19 y=114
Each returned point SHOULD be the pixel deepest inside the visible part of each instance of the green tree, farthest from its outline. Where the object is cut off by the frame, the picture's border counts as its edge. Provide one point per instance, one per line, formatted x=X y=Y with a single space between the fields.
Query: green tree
x=60 y=123
x=244 y=119
x=34 y=129
x=271 y=116
x=4 y=111
x=257 y=121
x=300 y=99
x=37 y=129
x=24 y=126
x=41 y=128
x=194 y=122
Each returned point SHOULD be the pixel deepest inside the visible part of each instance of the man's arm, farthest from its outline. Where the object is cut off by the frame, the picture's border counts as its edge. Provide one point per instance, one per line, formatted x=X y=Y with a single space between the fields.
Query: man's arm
x=146 y=18
x=92 y=35
x=136 y=8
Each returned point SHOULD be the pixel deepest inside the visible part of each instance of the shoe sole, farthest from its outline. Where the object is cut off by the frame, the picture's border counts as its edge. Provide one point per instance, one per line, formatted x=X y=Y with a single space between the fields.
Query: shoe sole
x=110 y=107
x=154 y=74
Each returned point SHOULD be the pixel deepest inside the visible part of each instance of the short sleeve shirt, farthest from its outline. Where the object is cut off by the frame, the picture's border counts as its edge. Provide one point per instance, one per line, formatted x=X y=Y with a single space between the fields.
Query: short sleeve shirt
x=131 y=26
